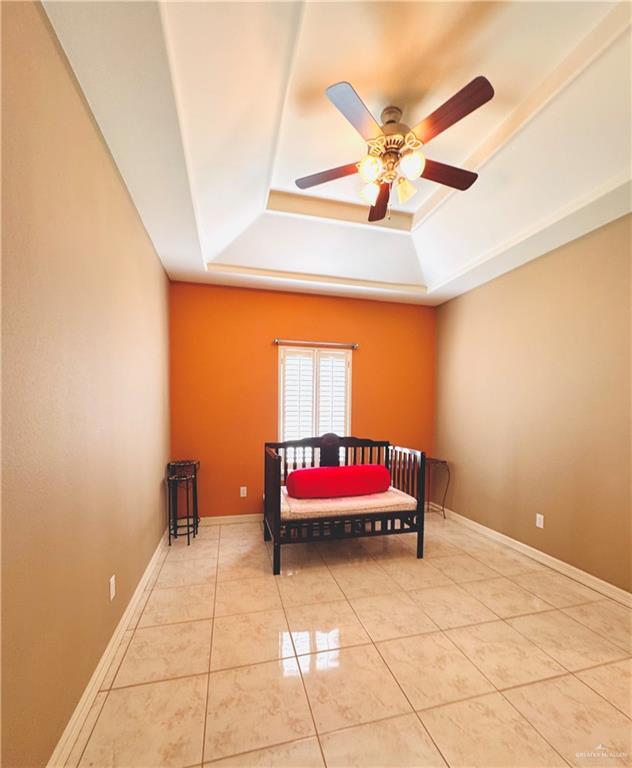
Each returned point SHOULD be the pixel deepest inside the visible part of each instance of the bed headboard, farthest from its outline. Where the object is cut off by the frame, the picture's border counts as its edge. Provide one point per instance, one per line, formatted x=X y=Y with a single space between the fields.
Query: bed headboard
x=330 y=450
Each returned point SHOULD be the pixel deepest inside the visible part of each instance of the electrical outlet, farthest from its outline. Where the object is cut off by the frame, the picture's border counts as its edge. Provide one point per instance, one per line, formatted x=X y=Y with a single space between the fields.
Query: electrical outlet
x=112 y=587
x=539 y=521
x=243 y=491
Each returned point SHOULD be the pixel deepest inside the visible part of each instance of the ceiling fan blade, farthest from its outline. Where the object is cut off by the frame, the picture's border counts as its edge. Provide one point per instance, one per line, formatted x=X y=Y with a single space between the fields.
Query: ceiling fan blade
x=378 y=211
x=343 y=96
x=448 y=175
x=474 y=95
x=320 y=178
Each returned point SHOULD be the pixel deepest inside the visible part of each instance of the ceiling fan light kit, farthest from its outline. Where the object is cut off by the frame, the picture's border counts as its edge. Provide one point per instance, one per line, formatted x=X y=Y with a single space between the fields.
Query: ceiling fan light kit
x=369 y=192
x=405 y=190
x=370 y=168
x=394 y=150
x=411 y=164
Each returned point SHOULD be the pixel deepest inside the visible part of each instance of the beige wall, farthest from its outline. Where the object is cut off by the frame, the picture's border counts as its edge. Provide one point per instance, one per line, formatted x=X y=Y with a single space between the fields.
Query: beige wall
x=85 y=427
x=533 y=411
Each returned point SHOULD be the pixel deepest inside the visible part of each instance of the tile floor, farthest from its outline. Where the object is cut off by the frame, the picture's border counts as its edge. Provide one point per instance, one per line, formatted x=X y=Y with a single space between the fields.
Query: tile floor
x=361 y=655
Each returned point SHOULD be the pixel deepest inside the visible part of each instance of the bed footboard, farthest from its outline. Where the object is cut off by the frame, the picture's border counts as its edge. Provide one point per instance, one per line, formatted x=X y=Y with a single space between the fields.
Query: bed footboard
x=408 y=474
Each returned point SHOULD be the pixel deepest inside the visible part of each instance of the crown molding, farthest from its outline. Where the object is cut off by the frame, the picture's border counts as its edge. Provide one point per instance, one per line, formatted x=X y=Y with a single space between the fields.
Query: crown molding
x=301 y=282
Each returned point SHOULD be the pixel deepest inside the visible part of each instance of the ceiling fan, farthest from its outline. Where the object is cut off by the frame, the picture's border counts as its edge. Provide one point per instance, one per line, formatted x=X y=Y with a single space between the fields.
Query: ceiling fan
x=394 y=153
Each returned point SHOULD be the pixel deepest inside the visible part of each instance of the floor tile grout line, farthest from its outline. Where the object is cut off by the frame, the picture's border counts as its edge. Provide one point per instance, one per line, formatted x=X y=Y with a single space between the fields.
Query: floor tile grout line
x=570 y=671
x=495 y=575
x=486 y=621
x=583 y=605
x=501 y=618
x=372 y=643
x=107 y=693
x=370 y=722
x=374 y=560
x=209 y=580
x=504 y=620
x=529 y=613
x=513 y=584
x=118 y=666
x=566 y=673
x=531 y=642
x=540 y=648
x=259 y=749
x=556 y=676
x=170 y=679
x=496 y=689
x=513 y=616
x=563 y=608
x=541 y=566
x=210 y=649
x=195 y=556
x=352 y=727
x=300 y=672
x=434 y=630
x=175 y=623
x=443 y=757
x=594 y=690
x=537 y=568
x=549 y=572
x=558 y=610
x=210 y=657
x=535 y=728
x=603 y=664
x=601 y=597
x=472 y=697
x=444 y=631
x=245 y=665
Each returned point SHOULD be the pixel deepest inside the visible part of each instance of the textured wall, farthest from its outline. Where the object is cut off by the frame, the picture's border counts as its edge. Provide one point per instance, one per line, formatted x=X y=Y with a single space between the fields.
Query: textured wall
x=533 y=406
x=85 y=390
x=224 y=377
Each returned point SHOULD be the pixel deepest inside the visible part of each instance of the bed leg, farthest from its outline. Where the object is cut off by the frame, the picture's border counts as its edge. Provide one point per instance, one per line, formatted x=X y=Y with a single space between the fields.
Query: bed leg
x=266 y=532
x=276 y=558
x=420 y=541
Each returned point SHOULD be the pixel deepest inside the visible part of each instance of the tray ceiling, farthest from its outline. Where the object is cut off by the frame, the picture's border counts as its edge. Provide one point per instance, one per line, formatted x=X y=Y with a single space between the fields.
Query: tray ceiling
x=211 y=110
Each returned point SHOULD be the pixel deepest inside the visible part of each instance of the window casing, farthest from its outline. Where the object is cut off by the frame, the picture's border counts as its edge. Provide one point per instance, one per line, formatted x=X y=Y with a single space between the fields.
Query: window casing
x=314 y=392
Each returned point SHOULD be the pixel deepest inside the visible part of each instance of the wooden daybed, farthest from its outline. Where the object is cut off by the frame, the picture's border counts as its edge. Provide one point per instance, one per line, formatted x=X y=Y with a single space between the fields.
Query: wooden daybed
x=295 y=521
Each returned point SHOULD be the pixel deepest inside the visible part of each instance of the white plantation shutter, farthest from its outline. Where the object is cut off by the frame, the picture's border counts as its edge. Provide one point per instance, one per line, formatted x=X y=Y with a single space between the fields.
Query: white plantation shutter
x=332 y=392
x=297 y=406
x=314 y=392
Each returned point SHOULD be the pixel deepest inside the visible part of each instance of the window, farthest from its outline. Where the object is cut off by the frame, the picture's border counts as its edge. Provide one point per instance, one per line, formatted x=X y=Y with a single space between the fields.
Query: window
x=314 y=392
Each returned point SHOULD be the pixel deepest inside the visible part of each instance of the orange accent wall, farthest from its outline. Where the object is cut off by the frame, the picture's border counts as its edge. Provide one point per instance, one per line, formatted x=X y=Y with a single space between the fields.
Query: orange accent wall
x=224 y=377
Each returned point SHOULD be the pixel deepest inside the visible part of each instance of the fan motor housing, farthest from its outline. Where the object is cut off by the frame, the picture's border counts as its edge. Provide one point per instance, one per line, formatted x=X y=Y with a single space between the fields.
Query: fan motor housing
x=394 y=130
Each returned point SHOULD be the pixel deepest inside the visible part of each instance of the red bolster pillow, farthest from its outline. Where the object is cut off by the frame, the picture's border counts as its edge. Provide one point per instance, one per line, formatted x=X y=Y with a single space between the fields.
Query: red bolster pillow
x=331 y=482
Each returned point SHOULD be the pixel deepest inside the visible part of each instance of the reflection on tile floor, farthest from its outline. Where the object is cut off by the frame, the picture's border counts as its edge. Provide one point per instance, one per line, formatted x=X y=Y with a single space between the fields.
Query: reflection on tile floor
x=361 y=655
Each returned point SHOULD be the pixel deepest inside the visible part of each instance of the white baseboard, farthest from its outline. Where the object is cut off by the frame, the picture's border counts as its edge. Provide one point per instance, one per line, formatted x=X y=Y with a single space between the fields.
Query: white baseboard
x=62 y=751
x=255 y=517
x=587 y=579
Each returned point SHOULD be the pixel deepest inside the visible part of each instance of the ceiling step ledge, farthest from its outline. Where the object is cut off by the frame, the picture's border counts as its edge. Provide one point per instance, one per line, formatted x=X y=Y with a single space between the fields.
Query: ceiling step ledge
x=334 y=210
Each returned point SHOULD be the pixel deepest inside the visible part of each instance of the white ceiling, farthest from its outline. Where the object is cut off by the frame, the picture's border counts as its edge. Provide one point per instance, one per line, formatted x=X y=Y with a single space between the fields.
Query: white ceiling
x=209 y=107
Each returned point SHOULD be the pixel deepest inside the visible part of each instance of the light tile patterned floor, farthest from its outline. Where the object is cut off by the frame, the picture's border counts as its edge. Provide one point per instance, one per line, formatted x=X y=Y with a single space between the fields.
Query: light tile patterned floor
x=361 y=655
